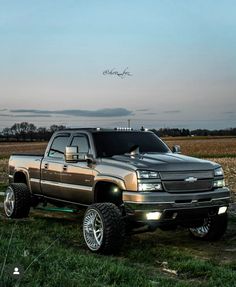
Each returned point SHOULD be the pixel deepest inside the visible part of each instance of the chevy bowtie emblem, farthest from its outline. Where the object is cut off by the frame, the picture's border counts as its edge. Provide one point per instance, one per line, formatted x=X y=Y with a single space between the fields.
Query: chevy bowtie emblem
x=190 y=179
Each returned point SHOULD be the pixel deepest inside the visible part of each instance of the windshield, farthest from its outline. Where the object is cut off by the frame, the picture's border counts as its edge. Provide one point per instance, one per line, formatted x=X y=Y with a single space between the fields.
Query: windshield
x=115 y=143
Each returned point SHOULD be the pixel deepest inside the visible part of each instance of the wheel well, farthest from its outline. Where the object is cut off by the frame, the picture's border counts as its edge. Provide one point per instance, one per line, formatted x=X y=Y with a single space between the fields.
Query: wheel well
x=108 y=192
x=20 y=177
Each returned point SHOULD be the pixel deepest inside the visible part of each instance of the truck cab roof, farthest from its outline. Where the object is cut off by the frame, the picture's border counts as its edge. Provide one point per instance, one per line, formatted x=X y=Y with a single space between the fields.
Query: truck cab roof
x=93 y=130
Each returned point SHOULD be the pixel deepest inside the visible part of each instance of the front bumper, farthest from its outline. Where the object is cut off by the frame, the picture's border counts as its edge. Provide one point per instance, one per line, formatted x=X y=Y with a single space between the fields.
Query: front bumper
x=179 y=208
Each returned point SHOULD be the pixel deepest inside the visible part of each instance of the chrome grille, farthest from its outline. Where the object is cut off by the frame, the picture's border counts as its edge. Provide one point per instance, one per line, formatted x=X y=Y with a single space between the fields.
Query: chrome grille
x=183 y=186
x=184 y=174
x=176 y=181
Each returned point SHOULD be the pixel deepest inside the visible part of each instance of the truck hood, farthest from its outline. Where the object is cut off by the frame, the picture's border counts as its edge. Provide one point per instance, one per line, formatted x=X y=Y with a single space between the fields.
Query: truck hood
x=161 y=162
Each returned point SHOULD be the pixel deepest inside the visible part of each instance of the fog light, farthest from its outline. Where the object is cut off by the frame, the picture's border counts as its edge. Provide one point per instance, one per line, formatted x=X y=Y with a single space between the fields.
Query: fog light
x=115 y=189
x=153 y=215
x=222 y=209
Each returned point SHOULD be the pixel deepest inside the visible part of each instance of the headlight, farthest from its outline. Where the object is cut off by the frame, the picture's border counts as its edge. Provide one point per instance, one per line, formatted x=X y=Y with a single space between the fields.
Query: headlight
x=149 y=186
x=219 y=171
x=219 y=183
x=147 y=174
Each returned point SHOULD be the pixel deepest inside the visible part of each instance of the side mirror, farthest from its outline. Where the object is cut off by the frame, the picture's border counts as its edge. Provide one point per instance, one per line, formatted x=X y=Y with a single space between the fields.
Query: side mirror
x=72 y=154
x=176 y=149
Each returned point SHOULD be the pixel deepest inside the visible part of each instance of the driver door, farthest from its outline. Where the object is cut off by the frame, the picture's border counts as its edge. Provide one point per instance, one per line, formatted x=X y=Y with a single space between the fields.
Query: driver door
x=78 y=178
x=52 y=166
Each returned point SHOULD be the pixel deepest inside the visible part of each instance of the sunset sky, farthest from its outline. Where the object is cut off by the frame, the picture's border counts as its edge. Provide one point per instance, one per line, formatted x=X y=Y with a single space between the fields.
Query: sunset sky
x=180 y=54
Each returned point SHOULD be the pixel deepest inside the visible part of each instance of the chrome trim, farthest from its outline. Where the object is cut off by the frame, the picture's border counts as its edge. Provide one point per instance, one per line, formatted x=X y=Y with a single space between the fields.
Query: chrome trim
x=173 y=202
x=61 y=200
x=9 y=202
x=110 y=176
x=191 y=179
x=93 y=229
x=65 y=185
x=203 y=230
x=149 y=180
x=35 y=180
x=150 y=202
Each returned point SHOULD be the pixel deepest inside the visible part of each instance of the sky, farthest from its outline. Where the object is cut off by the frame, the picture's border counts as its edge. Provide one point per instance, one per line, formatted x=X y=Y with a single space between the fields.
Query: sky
x=160 y=63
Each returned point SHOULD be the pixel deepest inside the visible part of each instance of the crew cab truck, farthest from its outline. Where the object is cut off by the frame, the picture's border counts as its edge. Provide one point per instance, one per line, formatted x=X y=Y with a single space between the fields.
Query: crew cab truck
x=128 y=181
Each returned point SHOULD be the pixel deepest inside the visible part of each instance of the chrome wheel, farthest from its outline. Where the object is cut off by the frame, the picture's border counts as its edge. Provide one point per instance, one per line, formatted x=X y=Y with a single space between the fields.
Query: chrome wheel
x=203 y=230
x=93 y=229
x=9 y=202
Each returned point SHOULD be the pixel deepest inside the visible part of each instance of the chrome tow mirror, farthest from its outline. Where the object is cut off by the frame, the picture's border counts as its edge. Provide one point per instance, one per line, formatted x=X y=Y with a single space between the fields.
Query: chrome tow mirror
x=72 y=154
x=176 y=149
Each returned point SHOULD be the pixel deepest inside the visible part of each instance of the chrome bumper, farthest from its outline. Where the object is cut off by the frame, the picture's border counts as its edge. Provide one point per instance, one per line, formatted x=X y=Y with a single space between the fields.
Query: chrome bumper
x=154 y=198
x=139 y=203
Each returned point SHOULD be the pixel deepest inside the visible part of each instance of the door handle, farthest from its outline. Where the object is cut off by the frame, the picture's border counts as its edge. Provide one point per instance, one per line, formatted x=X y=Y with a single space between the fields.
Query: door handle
x=65 y=167
x=46 y=165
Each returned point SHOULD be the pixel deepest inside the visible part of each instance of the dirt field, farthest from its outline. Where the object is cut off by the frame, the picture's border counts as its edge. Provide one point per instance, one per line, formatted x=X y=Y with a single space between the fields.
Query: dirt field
x=202 y=147
x=7 y=149
x=205 y=147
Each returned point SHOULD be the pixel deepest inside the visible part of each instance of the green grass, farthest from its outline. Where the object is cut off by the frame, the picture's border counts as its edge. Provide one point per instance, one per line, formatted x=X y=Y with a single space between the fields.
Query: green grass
x=2 y=189
x=140 y=262
x=2 y=186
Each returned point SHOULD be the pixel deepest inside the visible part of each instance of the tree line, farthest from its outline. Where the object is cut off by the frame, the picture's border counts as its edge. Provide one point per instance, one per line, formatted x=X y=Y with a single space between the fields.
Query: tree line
x=175 y=132
x=29 y=132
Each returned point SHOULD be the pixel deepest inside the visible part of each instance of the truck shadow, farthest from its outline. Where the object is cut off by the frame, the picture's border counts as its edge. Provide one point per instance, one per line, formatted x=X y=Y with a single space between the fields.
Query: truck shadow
x=157 y=246
x=153 y=244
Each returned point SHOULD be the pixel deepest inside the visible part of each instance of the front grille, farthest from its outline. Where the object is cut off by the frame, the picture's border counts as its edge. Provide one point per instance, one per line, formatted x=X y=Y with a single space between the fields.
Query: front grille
x=184 y=174
x=176 y=181
x=183 y=186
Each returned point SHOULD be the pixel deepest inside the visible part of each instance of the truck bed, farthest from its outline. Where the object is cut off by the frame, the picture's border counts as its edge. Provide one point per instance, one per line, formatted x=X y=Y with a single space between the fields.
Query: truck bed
x=30 y=164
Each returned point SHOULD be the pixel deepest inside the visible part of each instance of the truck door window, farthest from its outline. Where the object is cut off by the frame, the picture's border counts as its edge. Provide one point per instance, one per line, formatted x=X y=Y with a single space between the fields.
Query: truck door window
x=58 y=146
x=82 y=142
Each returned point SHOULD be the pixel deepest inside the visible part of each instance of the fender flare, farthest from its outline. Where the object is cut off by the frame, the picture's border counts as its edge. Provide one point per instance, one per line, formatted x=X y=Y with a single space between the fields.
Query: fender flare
x=109 y=179
x=25 y=172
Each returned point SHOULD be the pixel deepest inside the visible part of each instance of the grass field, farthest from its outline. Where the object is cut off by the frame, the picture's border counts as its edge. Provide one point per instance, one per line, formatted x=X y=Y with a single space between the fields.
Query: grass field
x=151 y=259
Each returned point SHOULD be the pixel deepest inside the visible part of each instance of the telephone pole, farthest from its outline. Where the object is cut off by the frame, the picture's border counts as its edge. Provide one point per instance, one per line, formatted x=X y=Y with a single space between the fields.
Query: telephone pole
x=129 y=123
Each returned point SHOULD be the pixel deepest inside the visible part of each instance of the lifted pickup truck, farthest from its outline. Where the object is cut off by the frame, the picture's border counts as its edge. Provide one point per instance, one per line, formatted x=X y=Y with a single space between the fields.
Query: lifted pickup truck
x=129 y=181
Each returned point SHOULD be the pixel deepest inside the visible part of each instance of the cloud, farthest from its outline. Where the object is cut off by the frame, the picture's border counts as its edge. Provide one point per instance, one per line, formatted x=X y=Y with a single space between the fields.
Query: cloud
x=116 y=112
x=25 y=116
x=142 y=110
x=32 y=116
x=229 y=113
x=172 y=112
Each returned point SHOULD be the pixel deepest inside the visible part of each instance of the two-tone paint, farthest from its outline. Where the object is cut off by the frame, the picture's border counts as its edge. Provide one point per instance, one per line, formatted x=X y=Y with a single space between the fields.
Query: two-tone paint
x=77 y=182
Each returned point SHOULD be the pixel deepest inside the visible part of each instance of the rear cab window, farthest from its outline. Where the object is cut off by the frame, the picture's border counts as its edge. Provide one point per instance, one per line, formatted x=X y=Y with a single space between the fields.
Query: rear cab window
x=82 y=142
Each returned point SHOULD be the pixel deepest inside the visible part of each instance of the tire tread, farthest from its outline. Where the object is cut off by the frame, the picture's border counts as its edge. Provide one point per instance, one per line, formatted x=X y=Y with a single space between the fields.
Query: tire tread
x=114 y=227
x=22 y=200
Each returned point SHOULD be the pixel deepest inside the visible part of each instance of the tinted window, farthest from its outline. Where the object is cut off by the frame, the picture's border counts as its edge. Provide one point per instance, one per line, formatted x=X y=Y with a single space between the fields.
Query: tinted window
x=113 y=143
x=82 y=142
x=58 y=146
